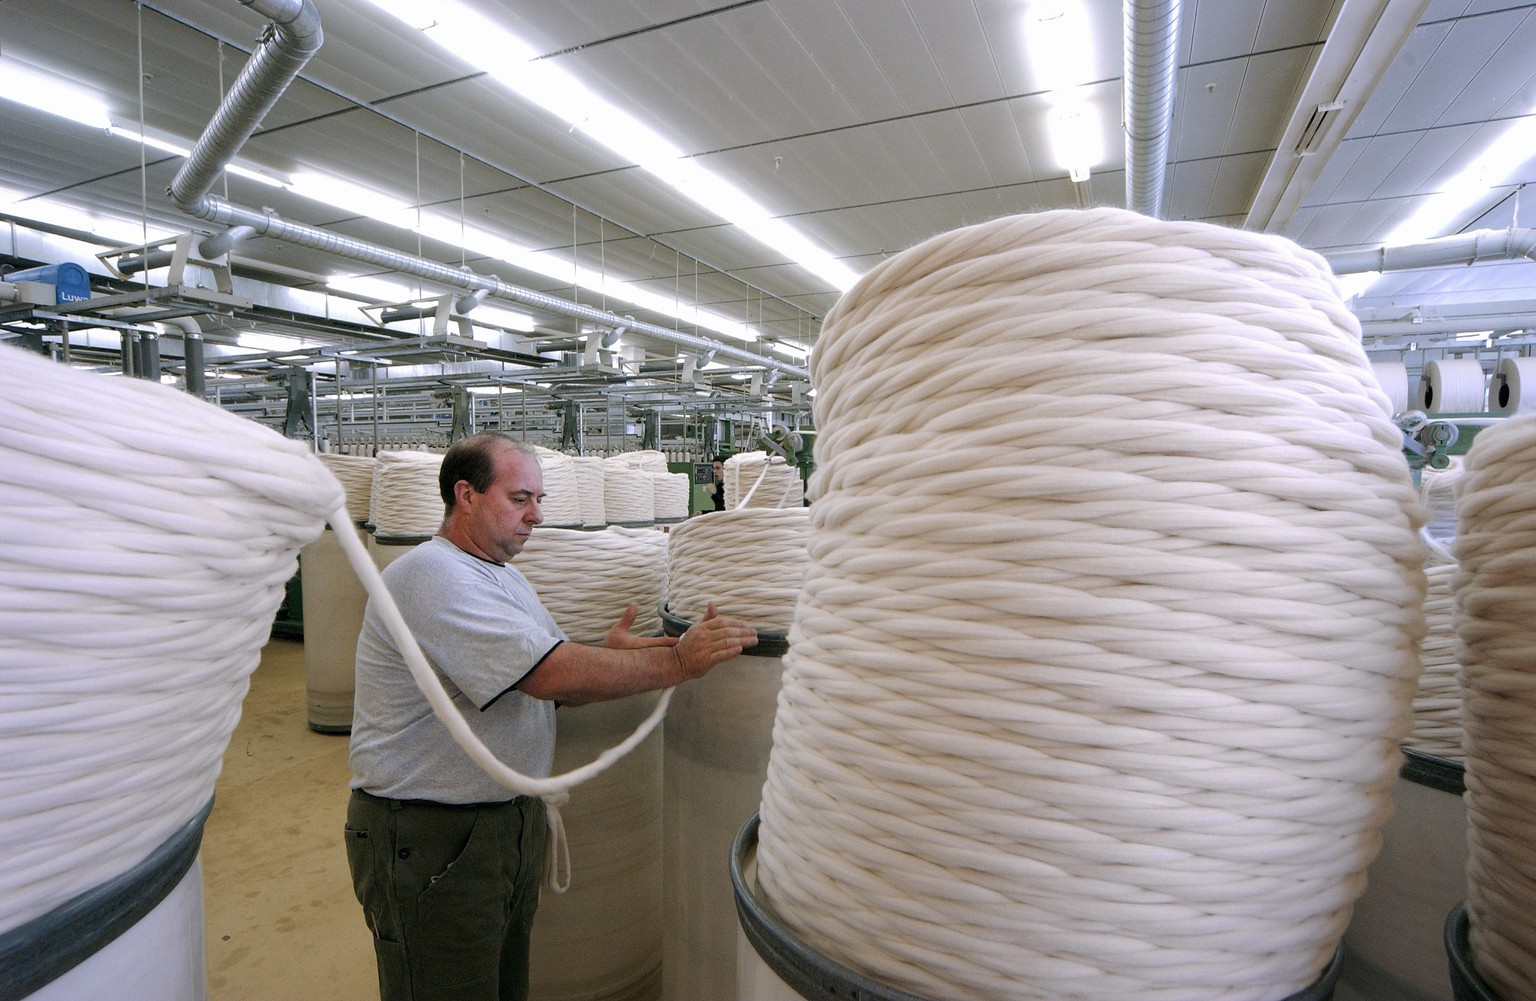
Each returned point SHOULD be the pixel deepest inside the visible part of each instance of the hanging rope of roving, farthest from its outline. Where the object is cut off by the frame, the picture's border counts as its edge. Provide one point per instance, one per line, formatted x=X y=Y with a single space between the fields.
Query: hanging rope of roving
x=1110 y=627
x=1495 y=612
x=147 y=545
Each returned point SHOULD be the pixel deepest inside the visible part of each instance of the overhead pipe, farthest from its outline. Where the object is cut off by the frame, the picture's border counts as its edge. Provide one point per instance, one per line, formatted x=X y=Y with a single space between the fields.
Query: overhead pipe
x=1463 y=248
x=291 y=39
x=1151 y=65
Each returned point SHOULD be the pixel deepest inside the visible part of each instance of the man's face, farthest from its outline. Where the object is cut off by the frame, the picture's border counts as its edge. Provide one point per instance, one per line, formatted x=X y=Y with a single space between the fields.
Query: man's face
x=719 y=471
x=500 y=520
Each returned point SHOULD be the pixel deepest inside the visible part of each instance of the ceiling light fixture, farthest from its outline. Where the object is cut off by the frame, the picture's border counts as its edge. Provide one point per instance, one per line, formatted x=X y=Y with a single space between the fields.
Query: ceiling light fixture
x=1059 y=45
x=1445 y=212
x=49 y=94
x=508 y=59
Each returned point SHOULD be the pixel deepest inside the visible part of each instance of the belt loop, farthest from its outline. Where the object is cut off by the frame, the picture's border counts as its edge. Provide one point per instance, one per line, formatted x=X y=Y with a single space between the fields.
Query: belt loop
x=395 y=805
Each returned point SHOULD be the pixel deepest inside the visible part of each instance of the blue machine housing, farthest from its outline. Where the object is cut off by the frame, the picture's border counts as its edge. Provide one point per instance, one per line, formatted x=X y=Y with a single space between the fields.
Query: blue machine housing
x=70 y=281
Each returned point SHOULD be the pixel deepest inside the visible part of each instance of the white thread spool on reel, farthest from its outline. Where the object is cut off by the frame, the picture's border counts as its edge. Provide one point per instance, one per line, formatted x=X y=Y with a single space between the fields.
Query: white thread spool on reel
x=1455 y=386
x=1393 y=379
x=1513 y=389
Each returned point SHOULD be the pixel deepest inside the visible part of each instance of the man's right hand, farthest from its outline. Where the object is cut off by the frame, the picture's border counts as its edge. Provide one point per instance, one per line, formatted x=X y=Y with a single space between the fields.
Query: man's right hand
x=712 y=640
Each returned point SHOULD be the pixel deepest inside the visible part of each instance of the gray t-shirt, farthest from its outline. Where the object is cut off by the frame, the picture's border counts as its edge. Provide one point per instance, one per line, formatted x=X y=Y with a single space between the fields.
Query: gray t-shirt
x=483 y=628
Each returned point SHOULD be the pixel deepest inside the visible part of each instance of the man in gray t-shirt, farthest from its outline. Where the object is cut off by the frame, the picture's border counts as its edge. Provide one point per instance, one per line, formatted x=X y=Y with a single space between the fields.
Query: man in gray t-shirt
x=445 y=861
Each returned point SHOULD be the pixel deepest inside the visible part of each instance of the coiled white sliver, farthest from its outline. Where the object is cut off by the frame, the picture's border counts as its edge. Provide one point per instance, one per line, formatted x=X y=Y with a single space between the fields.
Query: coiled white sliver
x=669 y=494
x=148 y=538
x=1437 y=704
x=405 y=499
x=586 y=579
x=1496 y=624
x=755 y=479
x=628 y=496
x=561 y=506
x=1110 y=628
x=1513 y=388
x=1456 y=386
x=1437 y=489
x=749 y=562
x=1392 y=377
x=145 y=558
x=589 y=485
x=355 y=474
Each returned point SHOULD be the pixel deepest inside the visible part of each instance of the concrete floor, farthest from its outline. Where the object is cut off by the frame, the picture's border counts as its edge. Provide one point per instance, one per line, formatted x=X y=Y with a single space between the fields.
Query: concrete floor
x=280 y=916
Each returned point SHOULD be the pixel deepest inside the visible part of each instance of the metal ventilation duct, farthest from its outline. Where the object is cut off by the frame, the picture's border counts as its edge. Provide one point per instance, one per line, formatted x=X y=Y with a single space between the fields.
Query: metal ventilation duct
x=1463 y=248
x=1151 y=62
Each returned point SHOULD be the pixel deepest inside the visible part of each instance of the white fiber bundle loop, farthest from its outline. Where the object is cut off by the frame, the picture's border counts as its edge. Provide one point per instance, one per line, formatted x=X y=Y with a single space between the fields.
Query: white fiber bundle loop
x=561 y=506
x=1496 y=624
x=669 y=492
x=1452 y=387
x=355 y=474
x=1392 y=376
x=749 y=562
x=628 y=496
x=589 y=486
x=148 y=538
x=406 y=500
x=586 y=579
x=1437 y=489
x=1513 y=388
x=1437 y=703
x=756 y=479
x=1110 y=629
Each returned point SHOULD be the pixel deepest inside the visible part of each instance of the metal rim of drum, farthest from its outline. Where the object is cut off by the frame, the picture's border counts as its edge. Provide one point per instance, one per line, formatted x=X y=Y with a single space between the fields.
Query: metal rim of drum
x=1466 y=984
x=770 y=643
x=1433 y=771
x=818 y=978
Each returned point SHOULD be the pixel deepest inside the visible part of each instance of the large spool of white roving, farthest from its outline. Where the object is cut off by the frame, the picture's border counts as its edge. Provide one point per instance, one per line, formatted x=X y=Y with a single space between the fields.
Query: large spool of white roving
x=1495 y=612
x=670 y=492
x=148 y=541
x=406 y=502
x=601 y=941
x=1437 y=702
x=629 y=498
x=1513 y=389
x=1111 y=623
x=334 y=600
x=561 y=504
x=756 y=479
x=1455 y=386
x=749 y=562
x=1392 y=376
x=589 y=485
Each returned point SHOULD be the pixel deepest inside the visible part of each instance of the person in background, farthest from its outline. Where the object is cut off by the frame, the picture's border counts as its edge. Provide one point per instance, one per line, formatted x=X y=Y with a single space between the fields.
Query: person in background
x=717 y=485
x=445 y=861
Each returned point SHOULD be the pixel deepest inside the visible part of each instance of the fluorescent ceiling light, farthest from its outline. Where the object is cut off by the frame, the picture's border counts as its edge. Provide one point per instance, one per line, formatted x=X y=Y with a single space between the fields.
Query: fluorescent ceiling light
x=1074 y=132
x=1059 y=43
x=369 y=287
x=163 y=145
x=1445 y=211
x=508 y=59
x=48 y=93
x=351 y=197
x=110 y=228
x=256 y=175
x=257 y=341
x=1355 y=284
x=502 y=318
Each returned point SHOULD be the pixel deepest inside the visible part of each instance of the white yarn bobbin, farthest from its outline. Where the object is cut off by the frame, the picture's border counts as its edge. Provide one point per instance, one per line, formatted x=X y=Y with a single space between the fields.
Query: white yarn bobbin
x=756 y=479
x=355 y=473
x=649 y=460
x=586 y=579
x=628 y=496
x=589 y=483
x=1095 y=687
x=1452 y=387
x=1437 y=490
x=1507 y=392
x=406 y=501
x=1392 y=376
x=561 y=504
x=670 y=493
x=1495 y=613
x=749 y=563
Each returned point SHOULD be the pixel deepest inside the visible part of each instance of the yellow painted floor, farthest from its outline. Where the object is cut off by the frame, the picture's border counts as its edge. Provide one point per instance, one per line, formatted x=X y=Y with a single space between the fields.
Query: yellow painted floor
x=281 y=919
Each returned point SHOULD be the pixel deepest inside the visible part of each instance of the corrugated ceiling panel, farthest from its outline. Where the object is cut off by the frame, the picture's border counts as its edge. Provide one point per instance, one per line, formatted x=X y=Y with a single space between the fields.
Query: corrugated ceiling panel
x=1190 y=183
x=1288 y=23
x=1506 y=84
x=890 y=35
x=1455 y=62
x=1236 y=180
x=954 y=36
x=857 y=88
x=1206 y=105
x=1399 y=77
x=1269 y=89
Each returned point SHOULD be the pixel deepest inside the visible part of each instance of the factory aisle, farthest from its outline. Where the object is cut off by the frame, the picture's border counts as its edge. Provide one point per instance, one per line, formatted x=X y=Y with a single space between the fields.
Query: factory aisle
x=281 y=920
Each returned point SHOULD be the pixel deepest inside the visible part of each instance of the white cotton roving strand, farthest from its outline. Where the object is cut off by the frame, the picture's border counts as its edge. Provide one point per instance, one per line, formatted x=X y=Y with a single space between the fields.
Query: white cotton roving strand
x=406 y=501
x=749 y=563
x=1110 y=628
x=1496 y=624
x=146 y=550
x=586 y=579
